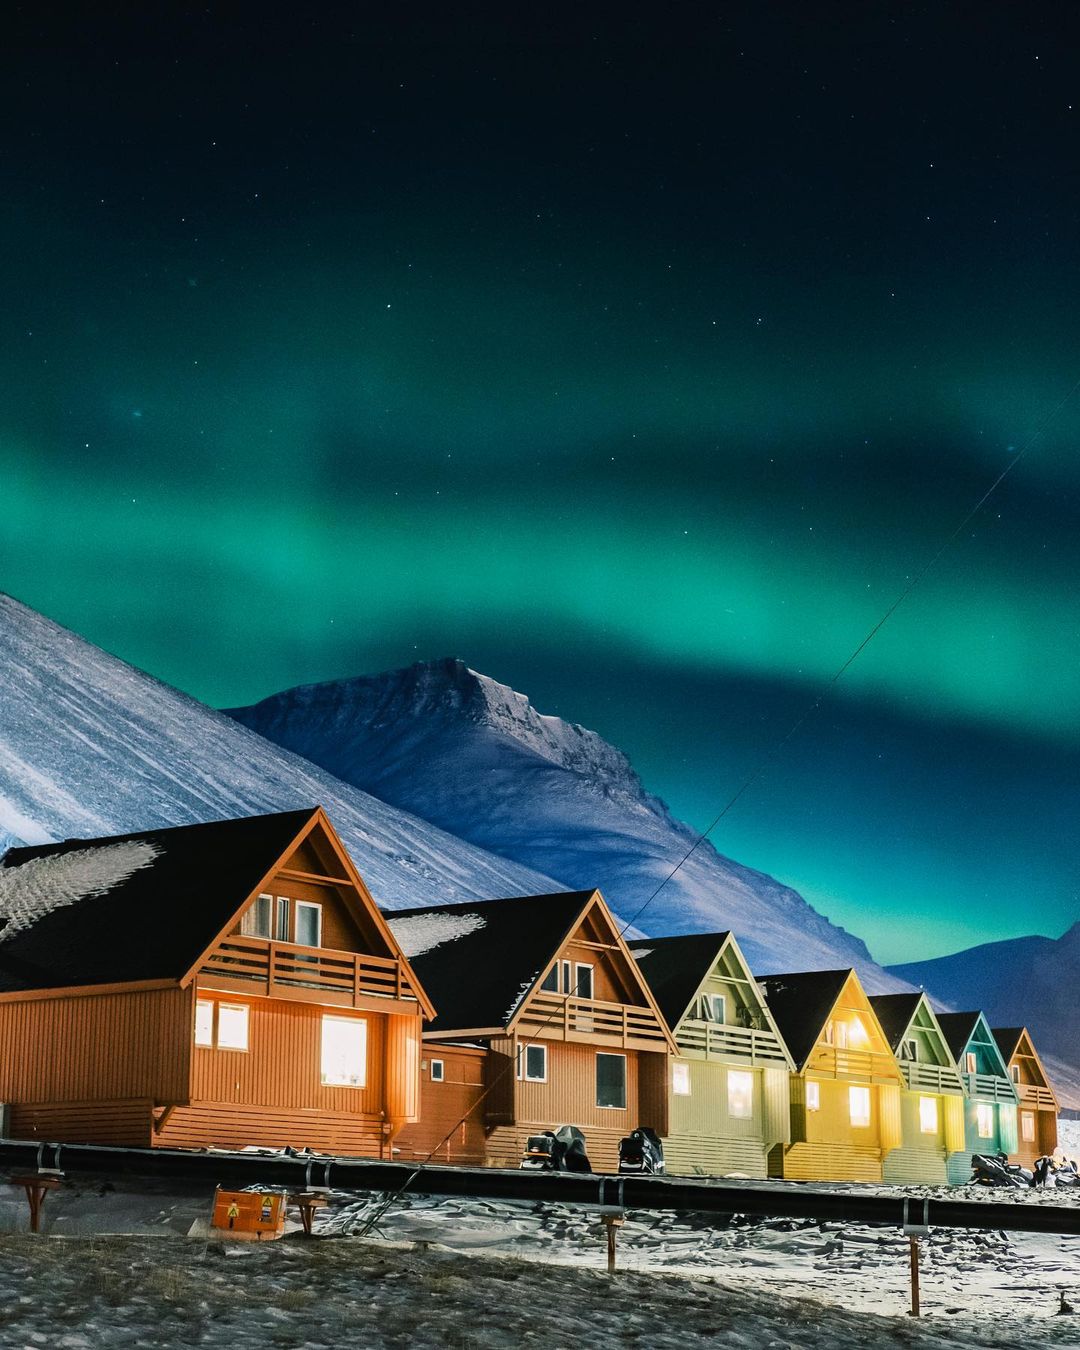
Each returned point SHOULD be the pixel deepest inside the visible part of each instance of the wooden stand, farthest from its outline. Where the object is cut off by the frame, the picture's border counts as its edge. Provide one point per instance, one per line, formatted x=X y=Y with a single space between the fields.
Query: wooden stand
x=36 y=1188
x=307 y=1202
x=914 y=1255
x=612 y=1222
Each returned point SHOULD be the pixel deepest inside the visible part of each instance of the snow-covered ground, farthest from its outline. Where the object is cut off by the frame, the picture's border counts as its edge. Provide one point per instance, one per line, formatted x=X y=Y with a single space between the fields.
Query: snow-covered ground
x=456 y=1272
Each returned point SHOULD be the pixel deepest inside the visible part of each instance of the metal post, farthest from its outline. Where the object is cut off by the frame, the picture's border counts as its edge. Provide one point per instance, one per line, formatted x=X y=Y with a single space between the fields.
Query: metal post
x=914 y=1245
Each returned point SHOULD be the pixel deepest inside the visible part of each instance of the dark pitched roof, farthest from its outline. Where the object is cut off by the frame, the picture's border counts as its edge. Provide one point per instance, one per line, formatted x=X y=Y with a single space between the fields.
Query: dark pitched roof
x=1008 y=1038
x=674 y=967
x=478 y=959
x=958 y=1028
x=800 y=1004
x=894 y=1012
x=150 y=924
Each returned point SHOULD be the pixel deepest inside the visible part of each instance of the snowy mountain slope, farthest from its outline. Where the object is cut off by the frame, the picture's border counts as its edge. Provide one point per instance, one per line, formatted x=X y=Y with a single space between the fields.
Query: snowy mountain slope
x=1029 y=981
x=476 y=758
x=90 y=746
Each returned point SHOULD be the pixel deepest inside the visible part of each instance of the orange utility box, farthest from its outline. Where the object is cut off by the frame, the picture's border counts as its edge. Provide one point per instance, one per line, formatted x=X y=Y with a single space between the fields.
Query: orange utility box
x=251 y=1216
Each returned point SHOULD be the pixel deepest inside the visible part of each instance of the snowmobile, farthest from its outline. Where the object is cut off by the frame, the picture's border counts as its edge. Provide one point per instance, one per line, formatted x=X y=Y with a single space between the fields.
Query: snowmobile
x=1049 y=1172
x=996 y=1170
x=641 y=1151
x=561 y=1150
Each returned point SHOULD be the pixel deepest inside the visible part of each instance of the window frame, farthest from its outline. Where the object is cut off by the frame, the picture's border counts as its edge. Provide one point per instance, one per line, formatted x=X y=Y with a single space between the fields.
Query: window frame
x=813 y=1095
x=281 y=926
x=984 y=1112
x=680 y=1073
x=579 y=966
x=611 y=1106
x=909 y=1050
x=748 y=1114
x=550 y=982
x=440 y=1065
x=971 y=1061
x=1027 y=1122
x=248 y=925
x=221 y=1005
x=1014 y=1073
x=361 y=1024
x=204 y=1003
x=708 y=1007
x=308 y=904
x=924 y=1126
x=523 y=1048
x=863 y=1095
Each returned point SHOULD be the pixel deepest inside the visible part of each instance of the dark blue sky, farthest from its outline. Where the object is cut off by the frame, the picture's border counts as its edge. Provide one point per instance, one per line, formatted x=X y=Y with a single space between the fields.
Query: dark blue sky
x=638 y=363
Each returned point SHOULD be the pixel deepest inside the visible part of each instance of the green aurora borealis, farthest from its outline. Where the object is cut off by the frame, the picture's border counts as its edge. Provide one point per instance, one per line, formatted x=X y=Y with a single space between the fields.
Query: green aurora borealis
x=638 y=368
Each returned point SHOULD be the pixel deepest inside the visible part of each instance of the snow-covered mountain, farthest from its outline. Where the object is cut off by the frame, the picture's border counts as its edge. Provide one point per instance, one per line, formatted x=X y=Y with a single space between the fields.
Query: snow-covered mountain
x=476 y=758
x=90 y=746
x=1028 y=981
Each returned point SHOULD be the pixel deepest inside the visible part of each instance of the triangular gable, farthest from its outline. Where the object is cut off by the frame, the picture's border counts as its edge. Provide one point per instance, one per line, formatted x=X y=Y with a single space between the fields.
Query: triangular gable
x=983 y=1037
x=917 y=1015
x=853 y=998
x=1024 y=1048
x=317 y=837
x=596 y=920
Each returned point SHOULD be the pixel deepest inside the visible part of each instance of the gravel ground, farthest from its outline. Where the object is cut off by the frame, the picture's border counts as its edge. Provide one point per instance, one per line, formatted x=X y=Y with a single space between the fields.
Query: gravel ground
x=100 y=1293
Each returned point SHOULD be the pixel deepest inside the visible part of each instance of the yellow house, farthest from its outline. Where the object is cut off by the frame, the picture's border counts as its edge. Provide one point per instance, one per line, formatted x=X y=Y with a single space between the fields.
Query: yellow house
x=932 y=1100
x=728 y=1088
x=845 y=1086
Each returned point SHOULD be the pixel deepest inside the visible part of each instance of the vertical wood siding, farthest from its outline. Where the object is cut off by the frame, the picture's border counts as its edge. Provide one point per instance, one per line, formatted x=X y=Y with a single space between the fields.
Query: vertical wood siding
x=403 y=1068
x=282 y=1065
x=569 y=1095
x=451 y=1114
x=96 y=1047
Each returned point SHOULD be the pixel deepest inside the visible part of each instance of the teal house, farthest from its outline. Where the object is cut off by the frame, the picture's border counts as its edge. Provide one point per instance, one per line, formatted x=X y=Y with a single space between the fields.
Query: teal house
x=990 y=1096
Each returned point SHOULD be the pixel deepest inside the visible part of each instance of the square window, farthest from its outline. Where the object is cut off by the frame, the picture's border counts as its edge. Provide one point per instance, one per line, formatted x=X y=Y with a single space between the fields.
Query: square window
x=232 y=1026
x=437 y=1071
x=1027 y=1126
x=740 y=1094
x=344 y=1051
x=928 y=1115
x=813 y=1096
x=984 y=1120
x=611 y=1081
x=255 y=921
x=532 y=1063
x=204 y=1022
x=680 y=1079
x=859 y=1106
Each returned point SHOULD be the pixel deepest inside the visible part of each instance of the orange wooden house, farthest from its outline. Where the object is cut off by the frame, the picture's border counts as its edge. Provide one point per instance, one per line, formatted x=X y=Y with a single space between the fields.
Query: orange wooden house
x=216 y=985
x=543 y=1019
x=1037 y=1130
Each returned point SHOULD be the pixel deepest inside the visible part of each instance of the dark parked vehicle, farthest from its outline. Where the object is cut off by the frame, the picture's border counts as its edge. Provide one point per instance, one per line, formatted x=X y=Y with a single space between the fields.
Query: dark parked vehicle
x=561 y=1150
x=641 y=1151
x=996 y=1170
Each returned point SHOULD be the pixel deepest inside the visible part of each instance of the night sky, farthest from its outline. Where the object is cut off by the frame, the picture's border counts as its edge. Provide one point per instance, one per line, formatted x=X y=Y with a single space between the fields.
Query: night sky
x=638 y=363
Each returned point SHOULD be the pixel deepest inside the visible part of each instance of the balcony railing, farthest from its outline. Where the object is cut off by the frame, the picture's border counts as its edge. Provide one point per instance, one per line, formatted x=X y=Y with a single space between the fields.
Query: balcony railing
x=1039 y=1097
x=987 y=1087
x=860 y=1064
x=319 y=974
x=555 y=1017
x=931 y=1077
x=715 y=1040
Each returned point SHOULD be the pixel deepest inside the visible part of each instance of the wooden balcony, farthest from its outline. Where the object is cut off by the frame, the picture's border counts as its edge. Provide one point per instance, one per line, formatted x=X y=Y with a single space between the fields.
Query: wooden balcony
x=987 y=1087
x=865 y=1066
x=743 y=1045
x=308 y=974
x=555 y=1017
x=938 y=1078
x=1036 y=1098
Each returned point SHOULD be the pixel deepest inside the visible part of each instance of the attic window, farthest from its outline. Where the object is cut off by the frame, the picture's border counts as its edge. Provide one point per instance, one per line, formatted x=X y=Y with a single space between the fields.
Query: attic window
x=909 y=1050
x=972 y=1061
x=256 y=918
x=714 y=1008
x=1014 y=1072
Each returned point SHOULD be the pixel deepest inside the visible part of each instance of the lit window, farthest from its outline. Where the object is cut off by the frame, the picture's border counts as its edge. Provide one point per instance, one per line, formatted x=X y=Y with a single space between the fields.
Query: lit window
x=857 y=1033
x=740 y=1094
x=859 y=1106
x=813 y=1096
x=1027 y=1126
x=256 y=918
x=232 y=1026
x=984 y=1120
x=841 y=1034
x=611 y=1081
x=204 y=1022
x=532 y=1063
x=972 y=1061
x=928 y=1115
x=437 y=1071
x=344 y=1051
x=714 y=1008
x=680 y=1079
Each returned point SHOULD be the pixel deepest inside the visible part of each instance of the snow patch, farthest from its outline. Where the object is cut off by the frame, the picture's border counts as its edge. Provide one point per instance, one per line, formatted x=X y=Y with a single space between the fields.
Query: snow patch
x=33 y=889
x=420 y=933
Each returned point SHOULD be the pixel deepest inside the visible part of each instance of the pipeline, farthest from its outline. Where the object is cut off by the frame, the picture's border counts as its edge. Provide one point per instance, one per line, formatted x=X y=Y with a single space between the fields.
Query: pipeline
x=761 y=1199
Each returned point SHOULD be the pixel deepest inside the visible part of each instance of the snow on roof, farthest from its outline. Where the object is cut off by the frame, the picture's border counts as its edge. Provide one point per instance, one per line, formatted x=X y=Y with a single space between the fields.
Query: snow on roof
x=31 y=890
x=524 y=988
x=640 y=953
x=420 y=933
